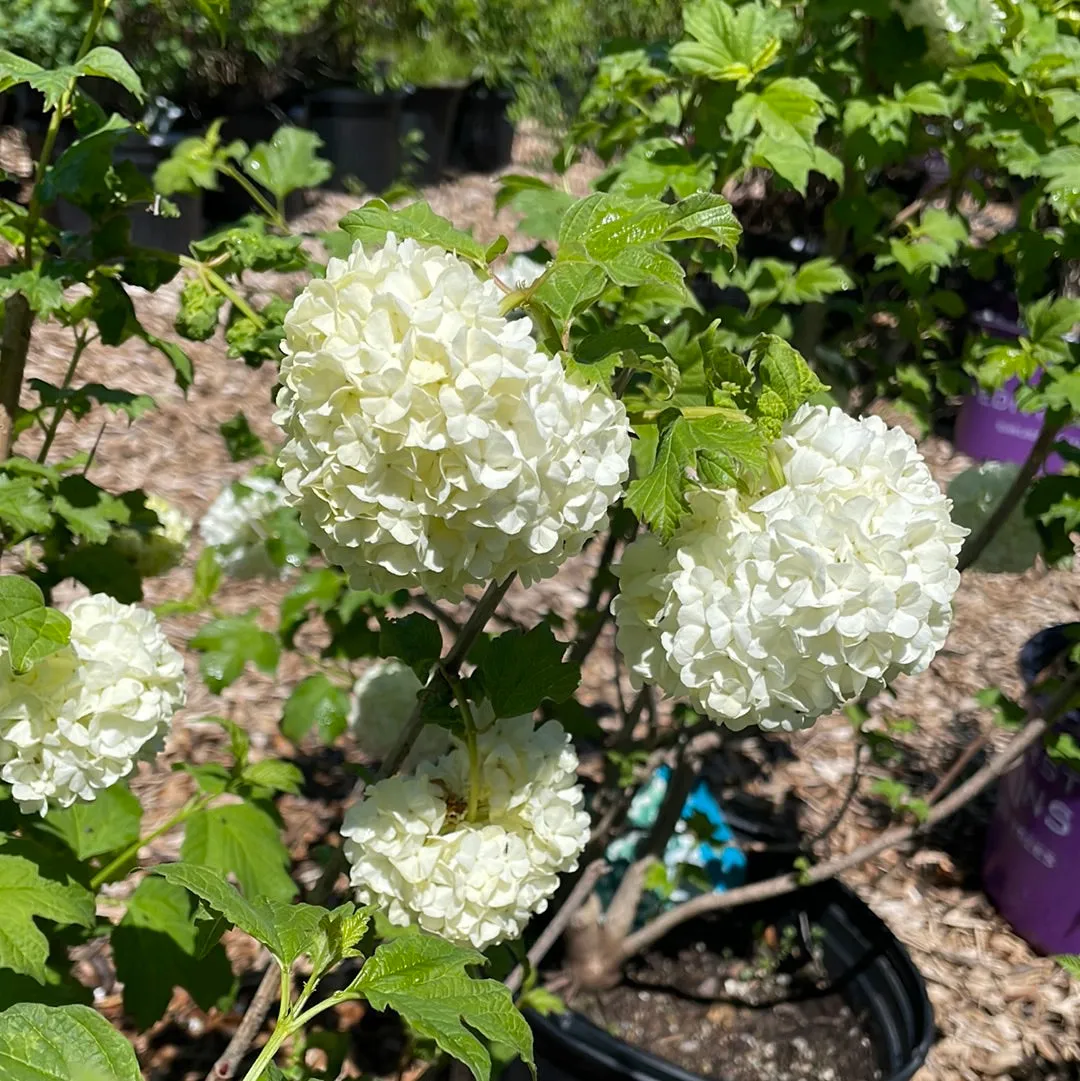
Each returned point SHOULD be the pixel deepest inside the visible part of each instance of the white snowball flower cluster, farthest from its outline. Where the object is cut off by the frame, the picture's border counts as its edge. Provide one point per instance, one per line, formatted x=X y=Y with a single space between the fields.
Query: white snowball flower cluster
x=234 y=526
x=414 y=852
x=79 y=719
x=161 y=548
x=430 y=442
x=775 y=609
x=383 y=699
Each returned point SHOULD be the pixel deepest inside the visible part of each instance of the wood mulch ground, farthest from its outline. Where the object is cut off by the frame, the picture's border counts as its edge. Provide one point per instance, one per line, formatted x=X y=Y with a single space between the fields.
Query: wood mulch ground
x=1002 y=1011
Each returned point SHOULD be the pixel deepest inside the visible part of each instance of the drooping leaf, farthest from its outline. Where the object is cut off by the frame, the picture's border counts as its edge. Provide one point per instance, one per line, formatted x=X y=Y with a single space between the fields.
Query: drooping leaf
x=315 y=703
x=522 y=670
x=32 y=630
x=240 y=441
x=105 y=824
x=23 y=507
x=28 y=896
x=228 y=644
x=375 y=219
x=318 y=589
x=63 y=1043
x=275 y=774
x=728 y=44
x=424 y=979
x=89 y=511
x=154 y=949
x=414 y=639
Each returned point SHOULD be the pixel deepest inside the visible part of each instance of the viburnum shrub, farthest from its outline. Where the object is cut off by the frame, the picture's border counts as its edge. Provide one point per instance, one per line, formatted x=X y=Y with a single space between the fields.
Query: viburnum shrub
x=447 y=427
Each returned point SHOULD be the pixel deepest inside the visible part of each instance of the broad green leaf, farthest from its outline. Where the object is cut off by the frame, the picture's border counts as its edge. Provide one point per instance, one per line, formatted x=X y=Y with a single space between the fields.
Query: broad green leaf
x=318 y=589
x=705 y=216
x=375 y=219
x=195 y=163
x=200 y=308
x=89 y=511
x=783 y=370
x=657 y=497
x=23 y=507
x=315 y=703
x=106 y=824
x=289 y=162
x=106 y=63
x=522 y=670
x=424 y=979
x=785 y=109
x=729 y=44
x=568 y=288
x=53 y=83
x=216 y=13
x=814 y=281
x=154 y=949
x=274 y=774
x=27 y=896
x=243 y=840
x=597 y=356
x=44 y=293
x=340 y=931
x=925 y=99
x=240 y=441
x=63 y=1043
x=183 y=369
x=80 y=400
x=228 y=644
x=414 y=639
x=32 y=630
x=788 y=158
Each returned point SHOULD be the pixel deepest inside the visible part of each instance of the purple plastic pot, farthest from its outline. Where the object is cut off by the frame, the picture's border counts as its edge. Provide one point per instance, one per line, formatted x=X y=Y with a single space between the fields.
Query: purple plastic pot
x=1031 y=868
x=990 y=425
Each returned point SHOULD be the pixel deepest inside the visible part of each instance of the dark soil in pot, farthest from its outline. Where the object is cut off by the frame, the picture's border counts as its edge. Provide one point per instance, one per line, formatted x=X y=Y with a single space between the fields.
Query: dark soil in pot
x=431 y=112
x=807 y=987
x=717 y=1017
x=483 y=135
x=361 y=134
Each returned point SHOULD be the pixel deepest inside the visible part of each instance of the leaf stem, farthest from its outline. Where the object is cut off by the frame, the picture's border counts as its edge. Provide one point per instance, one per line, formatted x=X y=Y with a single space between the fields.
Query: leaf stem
x=277 y=219
x=206 y=271
x=461 y=698
x=81 y=342
x=690 y=412
x=196 y=803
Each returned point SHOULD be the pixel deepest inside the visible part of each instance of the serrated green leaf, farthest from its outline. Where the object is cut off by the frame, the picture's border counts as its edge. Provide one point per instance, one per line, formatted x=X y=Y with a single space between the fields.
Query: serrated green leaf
x=315 y=703
x=424 y=980
x=79 y=400
x=105 y=824
x=289 y=162
x=275 y=774
x=106 y=63
x=183 y=369
x=786 y=109
x=243 y=840
x=23 y=507
x=28 y=896
x=522 y=670
x=318 y=589
x=227 y=645
x=569 y=287
x=375 y=219
x=729 y=44
x=89 y=511
x=32 y=630
x=657 y=497
x=414 y=639
x=783 y=371
x=814 y=281
x=154 y=949
x=63 y=1043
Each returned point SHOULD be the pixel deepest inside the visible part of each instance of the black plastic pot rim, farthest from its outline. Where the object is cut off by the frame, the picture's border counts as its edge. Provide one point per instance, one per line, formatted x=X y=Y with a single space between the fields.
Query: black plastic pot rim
x=594 y=1049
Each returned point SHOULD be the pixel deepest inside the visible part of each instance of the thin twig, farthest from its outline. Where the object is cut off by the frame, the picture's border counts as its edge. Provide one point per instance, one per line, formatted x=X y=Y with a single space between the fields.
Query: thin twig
x=250 y=1024
x=777 y=887
x=550 y=934
x=422 y=600
x=849 y=796
x=958 y=767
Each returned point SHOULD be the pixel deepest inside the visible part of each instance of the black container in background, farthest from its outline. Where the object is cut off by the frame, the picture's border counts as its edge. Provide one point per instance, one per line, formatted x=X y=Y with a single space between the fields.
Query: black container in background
x=865 y=962
x=483 y=135
x=361 y=134
x=432 y=111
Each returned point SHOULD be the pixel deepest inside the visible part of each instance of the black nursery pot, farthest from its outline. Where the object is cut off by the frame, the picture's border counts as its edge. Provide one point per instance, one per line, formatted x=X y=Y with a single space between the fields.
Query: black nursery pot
x=432 y=110
x=865 y=962
x=361 y=134
x=483 y=135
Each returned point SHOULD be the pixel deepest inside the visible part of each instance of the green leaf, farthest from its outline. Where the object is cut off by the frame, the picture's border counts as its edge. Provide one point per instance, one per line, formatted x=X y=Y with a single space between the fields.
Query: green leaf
x=240 y=441
x=200 y=306
x=424 y=979
x=243 y=840
x=289 y=162
x=195 y=163
x=315 y=703
x=52 y=83
x=522 y=670
x=705 y=216
x=814 y=281
x=657 y=498
x=89 y=511
x=23 y=507
x=63 y=1043
x=80 y=400
x=1063 y=748
x=375 y=219
x=216 y=13
x=288 y=931
x=106 y=63
x=414 y=639
x=228 y=644
x=274 y=774
x=786 y=109
x=32 y=630
x=1070 y=963
x=155 y=949
x=784 y=371
x=44 y=293
x=569 y=287
x=27 y=897
x=318 y=589
x=597 y=356
x=183 y=369
x=106 y=824
x=729 y=44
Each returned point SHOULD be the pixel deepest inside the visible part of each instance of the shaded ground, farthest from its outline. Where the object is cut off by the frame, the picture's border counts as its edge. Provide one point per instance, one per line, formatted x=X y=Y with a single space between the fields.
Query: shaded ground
x=1002 y=1011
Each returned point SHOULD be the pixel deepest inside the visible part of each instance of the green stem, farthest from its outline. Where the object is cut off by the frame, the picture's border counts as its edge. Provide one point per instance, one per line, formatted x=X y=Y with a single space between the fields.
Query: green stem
x=471 y=745
x=224 y=288
x=276 y=218
x=194 y=804
x=690 y=412
x=81 y=342
x=266 y=1055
